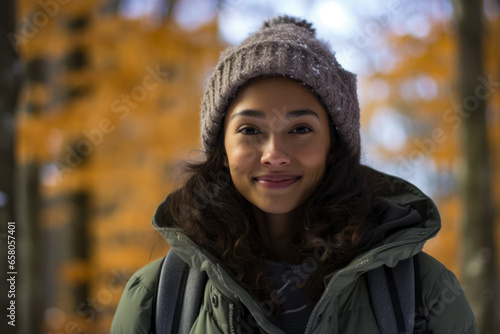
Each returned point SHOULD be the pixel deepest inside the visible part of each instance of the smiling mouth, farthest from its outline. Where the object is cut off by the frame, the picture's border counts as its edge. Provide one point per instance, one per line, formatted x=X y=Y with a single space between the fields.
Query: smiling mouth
x=276 y=182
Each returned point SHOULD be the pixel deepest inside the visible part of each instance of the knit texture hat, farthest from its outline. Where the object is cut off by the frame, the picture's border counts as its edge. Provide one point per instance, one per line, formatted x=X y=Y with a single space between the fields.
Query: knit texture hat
x=284 y=46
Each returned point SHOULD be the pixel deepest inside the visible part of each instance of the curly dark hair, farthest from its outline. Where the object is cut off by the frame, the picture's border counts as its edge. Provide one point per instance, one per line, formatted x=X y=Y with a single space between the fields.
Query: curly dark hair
x=219 y=219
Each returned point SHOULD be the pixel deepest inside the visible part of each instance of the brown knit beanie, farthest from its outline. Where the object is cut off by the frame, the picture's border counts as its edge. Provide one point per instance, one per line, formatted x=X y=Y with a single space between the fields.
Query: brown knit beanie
x=284 y=46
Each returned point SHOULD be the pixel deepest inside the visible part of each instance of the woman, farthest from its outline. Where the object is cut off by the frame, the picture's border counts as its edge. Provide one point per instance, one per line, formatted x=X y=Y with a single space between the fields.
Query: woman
x=281 y=215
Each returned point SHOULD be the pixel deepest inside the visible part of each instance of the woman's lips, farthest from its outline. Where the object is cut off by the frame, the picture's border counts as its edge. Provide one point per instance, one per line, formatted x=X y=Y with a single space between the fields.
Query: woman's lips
x=276 y=181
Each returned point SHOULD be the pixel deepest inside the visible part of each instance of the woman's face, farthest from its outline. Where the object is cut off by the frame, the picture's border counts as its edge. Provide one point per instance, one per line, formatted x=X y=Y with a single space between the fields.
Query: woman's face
x=277 y=139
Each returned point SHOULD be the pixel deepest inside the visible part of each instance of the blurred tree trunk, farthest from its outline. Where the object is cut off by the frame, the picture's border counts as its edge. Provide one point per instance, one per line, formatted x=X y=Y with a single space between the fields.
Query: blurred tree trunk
x=169 y=9
x=31 y=264
x=9 y=87
x=479 y=231
x=67 y=251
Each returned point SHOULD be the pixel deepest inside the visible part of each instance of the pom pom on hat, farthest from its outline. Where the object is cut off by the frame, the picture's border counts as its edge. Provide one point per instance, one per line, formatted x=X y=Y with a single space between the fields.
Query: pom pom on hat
x=274 y=21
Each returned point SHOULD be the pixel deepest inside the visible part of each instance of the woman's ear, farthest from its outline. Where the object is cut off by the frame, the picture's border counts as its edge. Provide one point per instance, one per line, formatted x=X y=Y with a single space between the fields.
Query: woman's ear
x=225 y=162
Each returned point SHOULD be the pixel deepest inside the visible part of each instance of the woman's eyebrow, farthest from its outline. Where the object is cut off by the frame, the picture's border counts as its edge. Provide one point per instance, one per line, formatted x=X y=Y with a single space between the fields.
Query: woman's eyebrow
x=289 y=115
x=250 y=113
x=301 y=112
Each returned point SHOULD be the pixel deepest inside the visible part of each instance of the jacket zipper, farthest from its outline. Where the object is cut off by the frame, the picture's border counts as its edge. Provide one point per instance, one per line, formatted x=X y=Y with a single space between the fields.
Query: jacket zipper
x=232 y=319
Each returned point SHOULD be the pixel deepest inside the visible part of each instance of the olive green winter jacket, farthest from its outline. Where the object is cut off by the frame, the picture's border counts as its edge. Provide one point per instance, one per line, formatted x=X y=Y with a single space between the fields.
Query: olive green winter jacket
x=345 y=305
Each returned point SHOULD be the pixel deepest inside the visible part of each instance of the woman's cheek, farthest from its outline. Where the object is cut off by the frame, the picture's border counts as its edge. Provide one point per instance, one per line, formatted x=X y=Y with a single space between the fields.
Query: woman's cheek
x=315 y=162
x=242 y=158
x=313 y=155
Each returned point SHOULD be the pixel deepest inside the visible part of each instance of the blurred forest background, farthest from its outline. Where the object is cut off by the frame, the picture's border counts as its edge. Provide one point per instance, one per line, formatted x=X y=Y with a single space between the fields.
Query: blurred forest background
x=99 y=101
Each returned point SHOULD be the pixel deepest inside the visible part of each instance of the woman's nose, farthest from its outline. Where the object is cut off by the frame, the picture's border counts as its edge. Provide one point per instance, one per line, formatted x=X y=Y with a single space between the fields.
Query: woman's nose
x=274 y=153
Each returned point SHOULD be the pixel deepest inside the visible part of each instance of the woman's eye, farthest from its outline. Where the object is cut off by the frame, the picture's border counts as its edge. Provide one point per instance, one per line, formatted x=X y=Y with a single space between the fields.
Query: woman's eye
x=301 y=129
x=248 y=130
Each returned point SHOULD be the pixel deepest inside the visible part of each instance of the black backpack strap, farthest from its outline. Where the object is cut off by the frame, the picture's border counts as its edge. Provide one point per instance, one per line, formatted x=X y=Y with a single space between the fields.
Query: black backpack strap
x=170 y=294
x=392 y=294
x=421 y=321
x=195 y=287
x=179 y=295
x=396 y=305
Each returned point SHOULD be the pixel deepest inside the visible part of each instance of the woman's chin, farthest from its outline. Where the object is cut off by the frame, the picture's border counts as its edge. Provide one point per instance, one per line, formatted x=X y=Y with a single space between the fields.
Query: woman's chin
x=277 y=208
